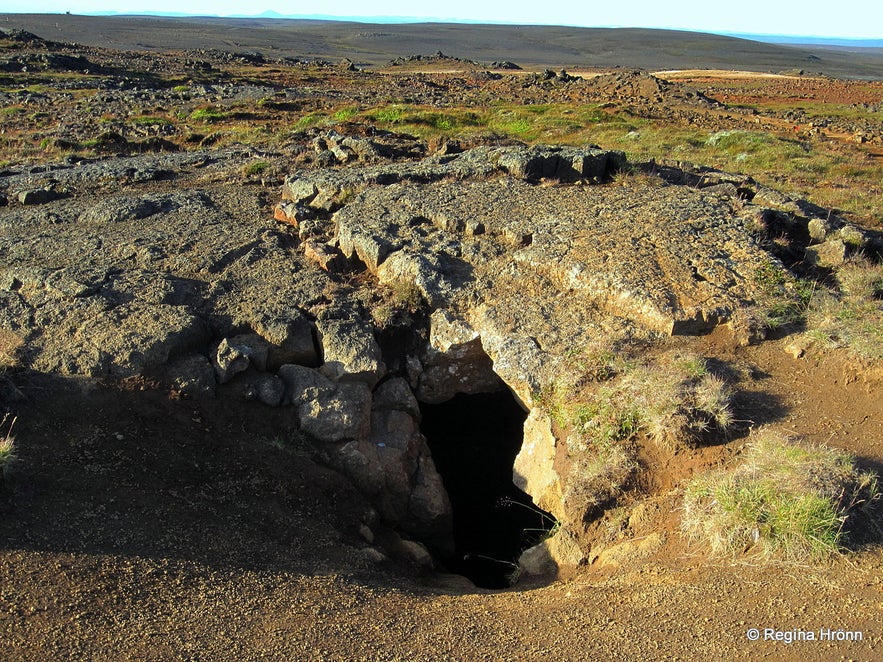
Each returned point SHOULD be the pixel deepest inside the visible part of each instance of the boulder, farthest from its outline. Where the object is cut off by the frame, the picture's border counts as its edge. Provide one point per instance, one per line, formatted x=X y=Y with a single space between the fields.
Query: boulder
x=299 y=191
x=37 y=196
x=369 y=248
x=454 y=361
x=291 y=339
x=327 y=411
x=268 y=389
x=429 y=514
x=326 y=257
x=360 y=461
x=350 y=352
x=253 y=346
x=557 y=554
x=302 y=383
x=534 y=469
x=395 y=394
x=831 y=253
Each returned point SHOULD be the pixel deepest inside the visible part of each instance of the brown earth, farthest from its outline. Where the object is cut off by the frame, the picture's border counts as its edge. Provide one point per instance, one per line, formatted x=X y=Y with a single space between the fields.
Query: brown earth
x=148 y=527
x=375 y=45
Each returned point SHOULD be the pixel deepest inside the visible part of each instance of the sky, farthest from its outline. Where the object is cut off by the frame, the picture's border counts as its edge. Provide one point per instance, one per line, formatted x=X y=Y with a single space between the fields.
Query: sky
x=851 y=19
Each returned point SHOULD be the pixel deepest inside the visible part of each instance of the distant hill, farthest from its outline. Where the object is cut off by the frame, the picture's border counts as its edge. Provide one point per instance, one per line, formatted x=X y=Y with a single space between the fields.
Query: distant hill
x=531 y=46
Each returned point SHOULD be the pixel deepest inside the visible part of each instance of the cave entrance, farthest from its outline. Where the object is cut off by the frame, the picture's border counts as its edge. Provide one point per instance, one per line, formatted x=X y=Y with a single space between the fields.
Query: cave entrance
x=474 y=440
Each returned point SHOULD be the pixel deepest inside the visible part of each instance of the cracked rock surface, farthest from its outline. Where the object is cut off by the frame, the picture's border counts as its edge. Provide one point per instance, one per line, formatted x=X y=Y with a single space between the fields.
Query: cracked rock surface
x=517 y=254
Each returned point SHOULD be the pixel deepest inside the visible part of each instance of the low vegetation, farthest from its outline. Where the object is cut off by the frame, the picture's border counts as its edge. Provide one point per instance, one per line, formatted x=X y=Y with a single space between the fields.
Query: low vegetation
x=787 y=499
x=10 y=347
x=671 y=398
x=7 y=446
x=403 y=301
x=850 y=315
x=822 y=171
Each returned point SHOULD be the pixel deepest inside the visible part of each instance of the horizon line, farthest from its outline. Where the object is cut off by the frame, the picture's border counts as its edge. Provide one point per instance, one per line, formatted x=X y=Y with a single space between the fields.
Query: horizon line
x=782 y=38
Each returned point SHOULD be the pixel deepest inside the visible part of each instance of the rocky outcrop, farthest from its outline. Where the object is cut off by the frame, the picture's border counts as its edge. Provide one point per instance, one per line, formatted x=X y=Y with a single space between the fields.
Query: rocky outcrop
x=518 y=275
x=517 y=256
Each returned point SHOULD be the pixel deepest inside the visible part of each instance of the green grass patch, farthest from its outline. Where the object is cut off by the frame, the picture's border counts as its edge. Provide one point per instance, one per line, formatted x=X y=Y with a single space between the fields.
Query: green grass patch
x=786 y=499
x=310 y=120
x=345 y=114
x=257 y=168
x=150 y=120
x=207 y=115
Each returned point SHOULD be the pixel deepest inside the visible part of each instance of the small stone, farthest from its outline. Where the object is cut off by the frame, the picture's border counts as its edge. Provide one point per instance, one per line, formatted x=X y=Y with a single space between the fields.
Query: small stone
x=474 y=227
x=228 y=361
x=372 y=555
x=416 y=553
x=797 y=348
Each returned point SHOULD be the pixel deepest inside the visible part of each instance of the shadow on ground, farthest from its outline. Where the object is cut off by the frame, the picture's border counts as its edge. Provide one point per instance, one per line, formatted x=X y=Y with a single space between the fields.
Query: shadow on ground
x=118 y=470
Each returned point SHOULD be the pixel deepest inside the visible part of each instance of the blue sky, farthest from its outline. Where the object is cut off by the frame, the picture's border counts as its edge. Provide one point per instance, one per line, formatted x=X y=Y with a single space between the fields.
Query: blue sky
x=858 y=19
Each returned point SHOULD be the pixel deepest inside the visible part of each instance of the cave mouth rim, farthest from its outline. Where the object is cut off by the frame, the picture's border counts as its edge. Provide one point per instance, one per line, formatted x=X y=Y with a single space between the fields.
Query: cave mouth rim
x=494 y=520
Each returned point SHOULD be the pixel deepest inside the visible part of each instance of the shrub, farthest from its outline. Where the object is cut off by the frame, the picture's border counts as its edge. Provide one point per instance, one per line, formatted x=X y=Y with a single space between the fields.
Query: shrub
x=787 y=498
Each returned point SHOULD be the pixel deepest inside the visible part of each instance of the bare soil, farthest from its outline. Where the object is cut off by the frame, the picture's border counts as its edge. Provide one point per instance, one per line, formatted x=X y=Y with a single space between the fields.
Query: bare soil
x=142 y=526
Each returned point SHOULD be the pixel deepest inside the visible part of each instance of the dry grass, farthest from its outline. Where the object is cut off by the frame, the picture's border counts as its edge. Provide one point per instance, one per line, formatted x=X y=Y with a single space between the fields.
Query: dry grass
x=7 y=444
x=670 y=397
x=787 y=499
x=851 y=316
x=10 y=348
x=402 y=301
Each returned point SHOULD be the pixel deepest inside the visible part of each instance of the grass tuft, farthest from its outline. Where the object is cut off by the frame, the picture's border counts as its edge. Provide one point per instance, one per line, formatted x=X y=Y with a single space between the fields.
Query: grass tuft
x=787 y=499
x=672 y=398
x=207 y=115
x=256 y=168
x=7 y=445
x=10 y=349
x=851 y=316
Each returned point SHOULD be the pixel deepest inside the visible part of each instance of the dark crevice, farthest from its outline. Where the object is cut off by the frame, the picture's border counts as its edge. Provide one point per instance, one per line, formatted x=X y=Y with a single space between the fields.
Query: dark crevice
x=474 y=440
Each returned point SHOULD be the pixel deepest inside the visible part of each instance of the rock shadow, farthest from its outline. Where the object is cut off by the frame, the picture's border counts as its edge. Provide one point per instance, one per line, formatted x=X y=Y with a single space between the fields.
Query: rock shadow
x=123 y=469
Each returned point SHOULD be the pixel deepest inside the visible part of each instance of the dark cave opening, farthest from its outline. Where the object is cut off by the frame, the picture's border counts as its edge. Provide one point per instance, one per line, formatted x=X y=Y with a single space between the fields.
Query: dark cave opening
x=474 y=440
